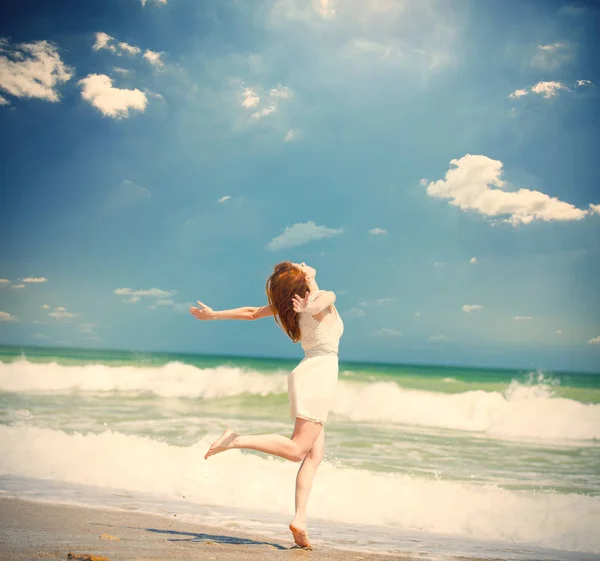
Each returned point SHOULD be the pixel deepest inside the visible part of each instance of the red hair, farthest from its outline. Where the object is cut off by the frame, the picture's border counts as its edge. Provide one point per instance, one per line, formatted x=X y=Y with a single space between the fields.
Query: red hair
x=286 y=281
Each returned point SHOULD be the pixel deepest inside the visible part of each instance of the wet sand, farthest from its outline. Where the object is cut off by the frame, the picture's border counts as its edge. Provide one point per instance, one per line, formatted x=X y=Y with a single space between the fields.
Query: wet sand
x=41 y=531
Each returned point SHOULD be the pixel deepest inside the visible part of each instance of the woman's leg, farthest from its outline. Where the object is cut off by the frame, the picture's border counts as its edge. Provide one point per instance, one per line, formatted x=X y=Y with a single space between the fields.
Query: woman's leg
x=304 y=481
x=294 y=449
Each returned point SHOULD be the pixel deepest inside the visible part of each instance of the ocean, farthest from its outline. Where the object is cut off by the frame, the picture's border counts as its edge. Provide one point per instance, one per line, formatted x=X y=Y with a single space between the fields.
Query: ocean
x=420 y=460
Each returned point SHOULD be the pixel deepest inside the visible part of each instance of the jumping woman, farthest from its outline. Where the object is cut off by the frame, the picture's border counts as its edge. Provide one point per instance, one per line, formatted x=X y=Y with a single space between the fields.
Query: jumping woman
x=308 y=315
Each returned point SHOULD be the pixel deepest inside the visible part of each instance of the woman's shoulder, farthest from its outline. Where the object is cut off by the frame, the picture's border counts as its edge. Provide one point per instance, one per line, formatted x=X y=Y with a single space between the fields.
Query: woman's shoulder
x=314 y=294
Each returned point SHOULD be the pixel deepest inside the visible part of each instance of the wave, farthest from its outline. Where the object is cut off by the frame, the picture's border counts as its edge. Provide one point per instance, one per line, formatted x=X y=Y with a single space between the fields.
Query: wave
x=117 y=461
x=524 y=411
x=174 y=379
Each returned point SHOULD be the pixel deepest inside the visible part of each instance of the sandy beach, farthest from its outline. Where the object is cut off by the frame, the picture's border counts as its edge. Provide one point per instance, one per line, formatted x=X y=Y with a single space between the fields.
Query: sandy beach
x=42 y=531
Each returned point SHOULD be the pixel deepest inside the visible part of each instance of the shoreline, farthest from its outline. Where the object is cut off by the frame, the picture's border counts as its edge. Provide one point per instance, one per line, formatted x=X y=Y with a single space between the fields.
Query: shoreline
x=35 y=530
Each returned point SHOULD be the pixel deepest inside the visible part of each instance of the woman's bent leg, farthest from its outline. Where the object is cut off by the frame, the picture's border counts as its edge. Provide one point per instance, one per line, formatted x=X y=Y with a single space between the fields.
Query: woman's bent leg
x=294 y=449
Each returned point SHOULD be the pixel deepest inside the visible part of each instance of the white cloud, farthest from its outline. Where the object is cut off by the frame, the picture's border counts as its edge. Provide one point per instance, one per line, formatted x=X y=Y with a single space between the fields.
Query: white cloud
x=32 y=70
x=548 y=89
x=468 y=308
x=104 y=41
x=382 y=301
x=559 y=331
x=225 y=198
x=522 y=318
x=421 y=36
x=439 y=264
x=4 y=282
x=4 y=101
x=303 y=10
x=62 y=313
x=6 y=317
x=595 y=341
x=356 y=312
x=385 y=332
x=45 y=307
x=152 y=292
x=133 y=300
x=440 y=337
x=290 y=135
x=473 y=183
x=144 y=2
x=423 y=181
x=154 y=58
x=123 y=71
x=417 y=314
x=300 y=234
x=518 y=93
x=129 y=49
x=264 y=112
x=87 y=331
x=18 y=286
x=473 y=260
x=551 y=48
x=550 y=57
x=112 y=102
x=165 y=302
x=38 y=322
x=281 y=91
x=108 y=43
x=595 y=208
x=251 y=98
x=377 y=231
x=35 y=279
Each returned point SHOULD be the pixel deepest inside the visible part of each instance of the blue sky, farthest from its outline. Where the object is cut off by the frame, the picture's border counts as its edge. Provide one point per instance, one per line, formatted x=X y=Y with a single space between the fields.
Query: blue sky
x=436 y=162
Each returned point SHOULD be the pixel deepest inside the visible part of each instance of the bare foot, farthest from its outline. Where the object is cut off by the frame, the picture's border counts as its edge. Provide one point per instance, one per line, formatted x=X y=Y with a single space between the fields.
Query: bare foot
x=221 y=444
x=300 y=534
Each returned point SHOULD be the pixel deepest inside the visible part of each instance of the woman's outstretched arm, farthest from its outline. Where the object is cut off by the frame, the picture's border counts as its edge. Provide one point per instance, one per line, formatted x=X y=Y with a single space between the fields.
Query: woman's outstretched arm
x=206 y=313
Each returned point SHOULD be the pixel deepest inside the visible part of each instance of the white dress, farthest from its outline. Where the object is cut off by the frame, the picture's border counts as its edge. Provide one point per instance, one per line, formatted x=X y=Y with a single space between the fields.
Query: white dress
x=311 y=385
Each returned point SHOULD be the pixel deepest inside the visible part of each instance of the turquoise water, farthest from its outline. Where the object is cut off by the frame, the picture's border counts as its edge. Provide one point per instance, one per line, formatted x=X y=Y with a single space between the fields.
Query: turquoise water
x=476 y=455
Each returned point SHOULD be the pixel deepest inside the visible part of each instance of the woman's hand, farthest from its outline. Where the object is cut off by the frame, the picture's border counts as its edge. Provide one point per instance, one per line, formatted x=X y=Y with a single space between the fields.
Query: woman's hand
x=300 y=304
x=204 y=312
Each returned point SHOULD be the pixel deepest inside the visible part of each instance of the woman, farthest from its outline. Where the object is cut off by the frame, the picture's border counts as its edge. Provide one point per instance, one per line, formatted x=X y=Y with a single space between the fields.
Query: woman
x=308 y=315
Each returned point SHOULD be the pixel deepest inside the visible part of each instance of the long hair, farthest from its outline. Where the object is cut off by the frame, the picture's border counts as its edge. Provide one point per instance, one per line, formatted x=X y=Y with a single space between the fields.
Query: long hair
x=286 y=281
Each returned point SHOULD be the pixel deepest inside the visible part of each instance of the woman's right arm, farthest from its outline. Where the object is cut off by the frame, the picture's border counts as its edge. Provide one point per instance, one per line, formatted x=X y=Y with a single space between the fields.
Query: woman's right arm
x=204 y=312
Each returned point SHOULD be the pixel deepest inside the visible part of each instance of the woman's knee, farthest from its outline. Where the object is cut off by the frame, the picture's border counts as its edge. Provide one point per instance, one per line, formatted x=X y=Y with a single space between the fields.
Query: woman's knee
x=315 y=455
x=300 y=452
x=298 y=455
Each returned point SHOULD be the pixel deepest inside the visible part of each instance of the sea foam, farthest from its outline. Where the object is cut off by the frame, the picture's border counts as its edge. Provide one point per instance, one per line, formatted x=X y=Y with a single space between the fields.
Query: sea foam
x=251 y=481
x=523 y=411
